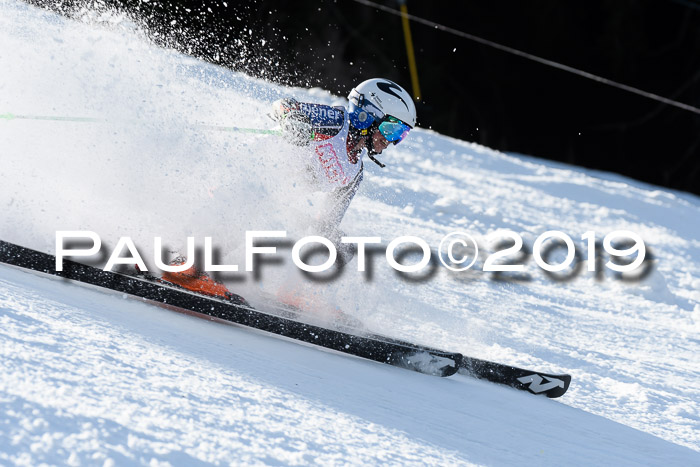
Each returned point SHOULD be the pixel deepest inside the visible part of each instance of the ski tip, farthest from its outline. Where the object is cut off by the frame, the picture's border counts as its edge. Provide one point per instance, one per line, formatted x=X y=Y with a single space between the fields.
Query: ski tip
x=559 y=391
x=534 y=382
x=552 y=386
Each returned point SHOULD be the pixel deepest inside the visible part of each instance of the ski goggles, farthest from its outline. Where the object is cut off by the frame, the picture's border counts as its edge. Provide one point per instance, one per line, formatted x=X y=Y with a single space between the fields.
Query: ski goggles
x=393 y=129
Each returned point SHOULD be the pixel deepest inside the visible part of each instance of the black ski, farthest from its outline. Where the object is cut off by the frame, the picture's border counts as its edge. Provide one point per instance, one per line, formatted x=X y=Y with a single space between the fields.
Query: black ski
x=370 y=346
x=519 y=378
x=551 y=385
x=528 y=380
x=429 y=361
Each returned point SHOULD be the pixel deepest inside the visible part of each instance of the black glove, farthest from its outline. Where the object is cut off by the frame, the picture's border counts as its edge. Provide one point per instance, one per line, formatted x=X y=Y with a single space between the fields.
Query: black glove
x=296 y=127
x=295 y=124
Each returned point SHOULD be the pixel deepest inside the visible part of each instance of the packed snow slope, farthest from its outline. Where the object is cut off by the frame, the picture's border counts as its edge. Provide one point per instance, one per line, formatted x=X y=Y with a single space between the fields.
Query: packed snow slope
x=89 y=377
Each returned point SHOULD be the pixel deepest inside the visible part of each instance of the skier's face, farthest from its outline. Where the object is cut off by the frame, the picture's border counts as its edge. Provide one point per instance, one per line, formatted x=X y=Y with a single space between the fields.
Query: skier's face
x=379 y=142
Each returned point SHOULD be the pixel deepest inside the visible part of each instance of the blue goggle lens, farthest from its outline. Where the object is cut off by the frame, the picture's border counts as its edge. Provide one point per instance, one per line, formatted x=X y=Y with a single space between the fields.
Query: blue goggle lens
x=394 y=130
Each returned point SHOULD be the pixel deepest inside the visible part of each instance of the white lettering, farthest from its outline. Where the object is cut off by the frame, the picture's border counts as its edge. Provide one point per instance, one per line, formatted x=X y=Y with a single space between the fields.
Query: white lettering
x=158 y=258
x=134 y=258
x=250 y=250
x=61 y=251
x=361 y=242
x=208 y=266
x=333 y=254
x=408 y=239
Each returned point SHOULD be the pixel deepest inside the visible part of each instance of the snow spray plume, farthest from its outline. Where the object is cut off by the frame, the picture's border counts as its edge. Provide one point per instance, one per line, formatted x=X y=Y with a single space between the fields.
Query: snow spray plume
x=148 y=172
x=201 y=30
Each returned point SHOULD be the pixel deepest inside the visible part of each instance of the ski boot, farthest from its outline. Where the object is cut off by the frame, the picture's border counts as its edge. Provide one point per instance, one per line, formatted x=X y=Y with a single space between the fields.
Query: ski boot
x=199 y=282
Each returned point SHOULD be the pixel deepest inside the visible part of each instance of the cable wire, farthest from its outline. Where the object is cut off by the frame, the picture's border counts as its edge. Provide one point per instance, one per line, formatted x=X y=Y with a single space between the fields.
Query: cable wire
x=532 y=57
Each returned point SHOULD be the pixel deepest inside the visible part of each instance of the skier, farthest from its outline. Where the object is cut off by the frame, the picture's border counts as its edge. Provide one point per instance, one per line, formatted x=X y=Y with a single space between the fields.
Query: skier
x=380 y=113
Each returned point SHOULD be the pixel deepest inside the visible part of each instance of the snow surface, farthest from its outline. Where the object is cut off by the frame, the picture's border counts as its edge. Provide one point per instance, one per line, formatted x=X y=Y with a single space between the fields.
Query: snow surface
x=92 y=378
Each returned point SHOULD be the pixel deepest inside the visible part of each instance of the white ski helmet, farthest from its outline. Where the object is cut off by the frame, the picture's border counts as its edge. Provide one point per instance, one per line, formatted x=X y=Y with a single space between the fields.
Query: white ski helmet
x=375 y=99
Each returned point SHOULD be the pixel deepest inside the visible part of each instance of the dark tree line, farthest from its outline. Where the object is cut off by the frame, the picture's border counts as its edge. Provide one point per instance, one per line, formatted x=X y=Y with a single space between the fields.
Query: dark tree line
x=472 y=91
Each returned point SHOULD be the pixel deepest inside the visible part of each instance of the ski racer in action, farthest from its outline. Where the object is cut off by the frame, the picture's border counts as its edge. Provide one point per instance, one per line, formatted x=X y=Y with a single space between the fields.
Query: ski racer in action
x=380 y=113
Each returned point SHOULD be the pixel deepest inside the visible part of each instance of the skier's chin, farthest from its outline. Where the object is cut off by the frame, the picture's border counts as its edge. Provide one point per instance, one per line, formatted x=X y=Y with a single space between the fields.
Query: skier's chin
x=371 y=149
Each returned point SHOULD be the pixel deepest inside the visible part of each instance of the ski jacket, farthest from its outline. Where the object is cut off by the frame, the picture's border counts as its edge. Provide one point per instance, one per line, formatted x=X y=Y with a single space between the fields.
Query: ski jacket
x=325 y=130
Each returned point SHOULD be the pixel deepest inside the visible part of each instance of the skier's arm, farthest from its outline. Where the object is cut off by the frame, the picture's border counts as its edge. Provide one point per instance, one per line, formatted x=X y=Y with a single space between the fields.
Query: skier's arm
x=304 y=121
x=294 y=122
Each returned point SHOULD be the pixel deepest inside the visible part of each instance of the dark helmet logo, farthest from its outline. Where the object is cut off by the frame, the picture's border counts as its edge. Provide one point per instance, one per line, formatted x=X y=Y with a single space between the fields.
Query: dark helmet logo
x=388 y=87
